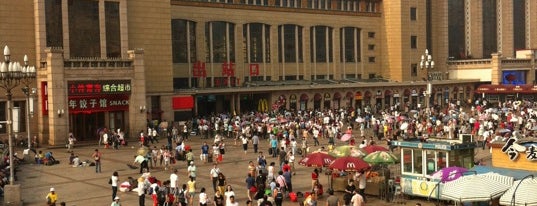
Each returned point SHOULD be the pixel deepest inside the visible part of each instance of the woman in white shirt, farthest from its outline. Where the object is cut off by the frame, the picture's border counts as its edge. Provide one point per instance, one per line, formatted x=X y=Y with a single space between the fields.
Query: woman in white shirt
x=203 y=197
x=229 y=192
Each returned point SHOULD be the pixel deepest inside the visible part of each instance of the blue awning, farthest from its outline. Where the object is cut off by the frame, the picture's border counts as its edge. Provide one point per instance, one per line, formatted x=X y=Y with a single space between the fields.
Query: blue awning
x=516 y=174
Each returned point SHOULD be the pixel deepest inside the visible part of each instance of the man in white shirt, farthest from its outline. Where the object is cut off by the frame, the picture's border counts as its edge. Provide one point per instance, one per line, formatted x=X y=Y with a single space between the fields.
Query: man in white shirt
x=174 y=181
x=357 y=199
x=214 y=175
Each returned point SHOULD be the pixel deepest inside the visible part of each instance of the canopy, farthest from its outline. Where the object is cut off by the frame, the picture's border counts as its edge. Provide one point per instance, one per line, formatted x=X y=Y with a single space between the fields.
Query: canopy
x=474 y=188
x=516 y=174
x=349 y=164
x=317 y=159
x=521 y=193
x=381 y=157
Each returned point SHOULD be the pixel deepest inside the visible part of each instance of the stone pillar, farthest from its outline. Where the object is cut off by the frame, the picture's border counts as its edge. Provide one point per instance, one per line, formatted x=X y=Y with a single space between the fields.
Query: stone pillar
x=12 y=195
x=505 y=28
x=137 y=119
x=474 y=27
x=336 y=63
x=274 y=52
x=530 y=79
x=496 y=68
x=58 y=108
x=306 y=50
x=201 y=51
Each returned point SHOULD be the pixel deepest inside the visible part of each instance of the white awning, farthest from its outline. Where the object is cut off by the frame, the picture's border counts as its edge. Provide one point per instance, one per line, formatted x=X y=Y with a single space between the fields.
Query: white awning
x=473 y=188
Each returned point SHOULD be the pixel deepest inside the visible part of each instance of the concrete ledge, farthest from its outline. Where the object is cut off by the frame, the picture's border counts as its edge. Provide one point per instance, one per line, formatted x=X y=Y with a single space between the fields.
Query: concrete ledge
x=12 y=195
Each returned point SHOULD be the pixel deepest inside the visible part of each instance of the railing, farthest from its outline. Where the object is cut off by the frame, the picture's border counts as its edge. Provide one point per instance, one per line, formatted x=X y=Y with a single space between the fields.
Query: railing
x=469 y=62
x=96 y=63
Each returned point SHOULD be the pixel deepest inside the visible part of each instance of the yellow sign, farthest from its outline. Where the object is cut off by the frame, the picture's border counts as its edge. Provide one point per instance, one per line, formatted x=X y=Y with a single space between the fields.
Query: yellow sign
x=424 y=188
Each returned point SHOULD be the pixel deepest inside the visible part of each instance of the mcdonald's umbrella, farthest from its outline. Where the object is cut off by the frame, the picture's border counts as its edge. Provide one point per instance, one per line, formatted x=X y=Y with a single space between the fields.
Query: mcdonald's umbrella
x=373 y=148
x=381 y=157
x=317 y=159
x=347 y=150
x=349 y=164
x=476 y=188
x=521 y=193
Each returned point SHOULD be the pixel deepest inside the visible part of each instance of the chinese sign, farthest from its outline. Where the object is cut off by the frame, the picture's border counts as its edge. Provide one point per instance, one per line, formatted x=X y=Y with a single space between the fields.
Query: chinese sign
x=83 y=88
x=99 y=103
x=198 y=69
x=254 y=69
x=227 y=69
x=44 y=97
x=512 y=149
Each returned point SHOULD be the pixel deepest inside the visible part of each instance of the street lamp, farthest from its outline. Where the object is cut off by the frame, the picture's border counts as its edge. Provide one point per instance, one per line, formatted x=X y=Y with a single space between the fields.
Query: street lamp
x=11 y=74
x=29 y=76
x=427 y=63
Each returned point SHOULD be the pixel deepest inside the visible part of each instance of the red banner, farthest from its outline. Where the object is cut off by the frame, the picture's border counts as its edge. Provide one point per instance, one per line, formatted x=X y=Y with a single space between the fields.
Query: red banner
x=44 y=97
x=186 y=102
x=98 y=103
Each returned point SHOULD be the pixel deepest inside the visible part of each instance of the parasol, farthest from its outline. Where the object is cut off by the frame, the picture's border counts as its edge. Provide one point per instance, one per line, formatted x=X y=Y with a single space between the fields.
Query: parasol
x=374 y=148
x=381 y=157
x=475 y=188
x=143 y=150
x=521 y=193
x=317 y=159
x=347 y=150
x=449 y=173
x=404 y=126
x=349 y=164
x=346 y=137
x=359 y=119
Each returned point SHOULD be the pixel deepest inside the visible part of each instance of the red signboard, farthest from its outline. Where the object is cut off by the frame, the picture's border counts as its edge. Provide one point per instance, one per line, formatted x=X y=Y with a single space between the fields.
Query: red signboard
x=185 y=102
x=98 y=103
x=44 y=97
x=227 y=69
x=198 y=69
x=84 y=88
x=254 y=69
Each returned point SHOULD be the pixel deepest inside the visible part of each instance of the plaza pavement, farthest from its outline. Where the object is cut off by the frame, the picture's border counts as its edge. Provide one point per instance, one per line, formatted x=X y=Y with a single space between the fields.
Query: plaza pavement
x=83 y=187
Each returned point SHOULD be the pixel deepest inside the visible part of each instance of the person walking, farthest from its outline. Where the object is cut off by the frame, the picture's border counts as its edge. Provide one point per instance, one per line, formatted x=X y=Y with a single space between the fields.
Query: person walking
x=97 y=157
x=214 y=175
x=116 y=202
x=174 y=182
x=71 y=143
x=255 y=141
x=52 y=197
x=141 y=192
x=203 y=198
x=114 y=182
x=192 y=170
x=191 y=190
x=332 y=200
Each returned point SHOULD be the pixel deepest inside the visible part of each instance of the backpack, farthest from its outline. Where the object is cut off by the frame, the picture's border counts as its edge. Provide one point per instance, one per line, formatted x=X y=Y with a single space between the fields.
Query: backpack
x=181 y=196
x=279 y=196
x=161 y=194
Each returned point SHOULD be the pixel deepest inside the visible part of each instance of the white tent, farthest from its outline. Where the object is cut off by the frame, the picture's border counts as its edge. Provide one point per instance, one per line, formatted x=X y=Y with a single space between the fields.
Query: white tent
x=475 y=188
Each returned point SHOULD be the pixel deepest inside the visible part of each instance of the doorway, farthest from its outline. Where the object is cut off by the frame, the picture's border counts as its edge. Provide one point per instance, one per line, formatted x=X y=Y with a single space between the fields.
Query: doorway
x=85 y=126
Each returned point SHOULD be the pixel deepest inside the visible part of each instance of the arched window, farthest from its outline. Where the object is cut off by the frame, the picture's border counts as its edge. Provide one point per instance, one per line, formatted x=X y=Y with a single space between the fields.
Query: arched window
x=290 y=43
x=351 y=50
x=220 y=41
x=321 y=44
x=257 y=42
x=183 y=41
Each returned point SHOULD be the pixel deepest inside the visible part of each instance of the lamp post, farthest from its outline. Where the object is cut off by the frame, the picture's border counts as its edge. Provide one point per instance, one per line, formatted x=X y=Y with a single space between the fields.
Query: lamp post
x=427 y=64
x=27 y=79
x=11 y=74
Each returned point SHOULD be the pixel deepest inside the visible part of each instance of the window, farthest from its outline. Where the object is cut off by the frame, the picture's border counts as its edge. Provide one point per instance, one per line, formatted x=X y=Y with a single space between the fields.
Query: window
x=348 y=5
x=371 y=59
x=321 y=44
x=413 y=42
x=53 y=22
x=113 y=35
x=257 y=42
x=288 y=3
x=414 y=70
x=350 y=44
x=22 y=114
x=220 y=41
x=84 y=31
x=371 y=47
x=413 y=14
x=183 y=41
x=407 y=165
x=371 y=34
x=417 y=156
x=372 y=75
x=255 y=2
x=320 y=4
x=290 y=43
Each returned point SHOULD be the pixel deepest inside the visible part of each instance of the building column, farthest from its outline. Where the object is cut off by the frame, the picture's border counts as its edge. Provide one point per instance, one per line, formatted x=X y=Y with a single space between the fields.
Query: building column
x=336 y=43
x=102 y=28
x=274 y=53
x=65 y=28
x=238 y=103
x=474 y=28
x=306 y=50
x=240 y=65
x=505 y=28
x=137 y=119
x=58 y=125
x=496 y=68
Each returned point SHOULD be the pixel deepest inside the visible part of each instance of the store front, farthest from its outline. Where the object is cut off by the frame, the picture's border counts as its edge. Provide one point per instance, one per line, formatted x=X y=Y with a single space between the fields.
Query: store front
x=93 y=105
x=292 y=102
x=337 y=101
x=317 y=101
x=358 y=98
x=304 y=98
x=327 y=101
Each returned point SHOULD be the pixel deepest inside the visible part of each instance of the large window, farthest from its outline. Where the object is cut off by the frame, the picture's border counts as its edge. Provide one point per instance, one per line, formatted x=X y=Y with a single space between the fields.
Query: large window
x=413 y=14
x=257 y=42
x=220 y=41
x=255 y=2
x=348 y=5
x=183 y=41
x=321 y=44
x=351 y=49
x=407 y=156
x=320 y=4
x=490 y=28
x=290 y=43
x=84 y=32
x=456 y=29
x=413 y=42
x=288 y=3
x=113 y=35
x=53 y=22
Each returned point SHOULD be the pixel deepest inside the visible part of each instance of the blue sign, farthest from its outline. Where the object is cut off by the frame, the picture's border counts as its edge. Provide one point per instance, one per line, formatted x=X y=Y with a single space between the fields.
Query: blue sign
x=514 y=77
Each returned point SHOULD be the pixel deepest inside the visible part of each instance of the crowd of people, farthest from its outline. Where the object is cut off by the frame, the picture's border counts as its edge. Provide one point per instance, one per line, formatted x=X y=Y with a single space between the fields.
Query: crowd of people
x=292 y=134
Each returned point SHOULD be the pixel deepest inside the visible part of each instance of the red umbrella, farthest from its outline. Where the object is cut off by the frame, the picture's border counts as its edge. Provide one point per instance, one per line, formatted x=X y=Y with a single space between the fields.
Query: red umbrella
x=317 y=159
x=346 y=137
x=374 y=148
x=349 y=164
